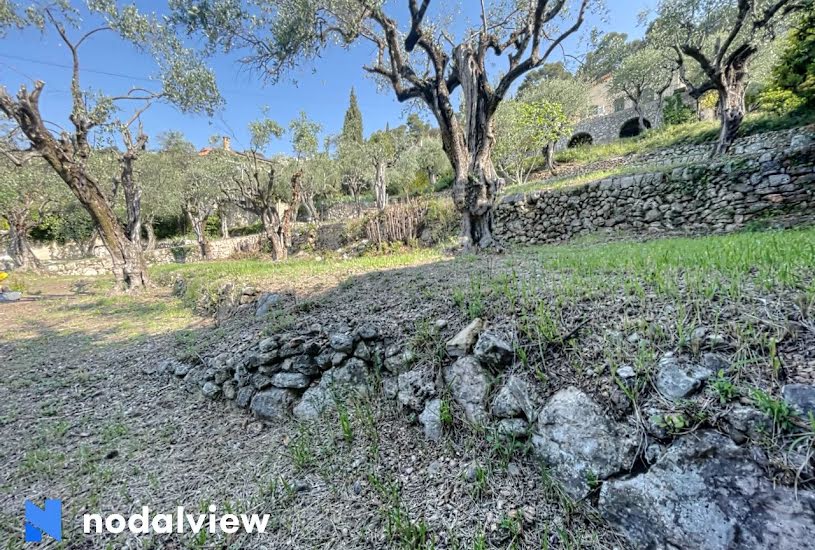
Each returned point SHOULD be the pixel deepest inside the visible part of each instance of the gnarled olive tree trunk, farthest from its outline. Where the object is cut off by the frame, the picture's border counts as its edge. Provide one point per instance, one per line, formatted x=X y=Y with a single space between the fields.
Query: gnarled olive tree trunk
x=731 y=90
x=19 y=248
x=198 y=221
x=469 y=149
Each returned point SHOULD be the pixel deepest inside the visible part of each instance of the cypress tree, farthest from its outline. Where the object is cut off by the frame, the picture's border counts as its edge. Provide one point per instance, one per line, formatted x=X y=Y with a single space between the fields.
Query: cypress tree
x=352 y=126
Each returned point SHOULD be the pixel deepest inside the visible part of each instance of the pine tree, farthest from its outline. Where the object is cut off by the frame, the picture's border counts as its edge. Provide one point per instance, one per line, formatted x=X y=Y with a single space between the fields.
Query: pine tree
x=352 y=126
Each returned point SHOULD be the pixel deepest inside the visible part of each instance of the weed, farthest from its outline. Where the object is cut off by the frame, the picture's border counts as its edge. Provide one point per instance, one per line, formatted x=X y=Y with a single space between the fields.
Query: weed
x=777 y=409
x=724 y=388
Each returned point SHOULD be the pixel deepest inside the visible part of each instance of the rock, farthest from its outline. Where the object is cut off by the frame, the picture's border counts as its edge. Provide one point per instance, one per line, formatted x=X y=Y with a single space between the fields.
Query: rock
x=708 y=494
x=338 y=357
x=677 y=380
x=293 y=347
x=367 y=331
x=272 y=404
x=415 y=387
x=244 y=397
x=10 y=296
x=257 y=360
x=324 y=360
x=390 y=387
x=362 y=352
x=302 y=364
x=516 y=398
x=268 y=344
x=745 y=423
x=493 y=351
x=311 y=348
x=462 y=343
x=626 y=371
x=469 y=386
x=261 y=381
x=578 y=442
x=266 y=302
x=715 y=362
x=399 y=362
x=315 y=401
x=513 y=427
x=182 y=369
x=431 y=420
x=291 y=380
x=697 y=339
x=343 y=342
x=229 y=390
x=334 y=384
x=801 y=397
x=211 y=390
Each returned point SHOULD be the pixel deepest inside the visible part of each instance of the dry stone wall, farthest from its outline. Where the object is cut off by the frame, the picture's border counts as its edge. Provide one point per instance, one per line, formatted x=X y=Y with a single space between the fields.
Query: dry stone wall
x=719 y=196
x=645 y=479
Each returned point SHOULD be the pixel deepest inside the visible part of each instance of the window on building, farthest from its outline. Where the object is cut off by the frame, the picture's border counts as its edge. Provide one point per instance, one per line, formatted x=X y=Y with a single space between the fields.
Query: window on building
x=619 y=104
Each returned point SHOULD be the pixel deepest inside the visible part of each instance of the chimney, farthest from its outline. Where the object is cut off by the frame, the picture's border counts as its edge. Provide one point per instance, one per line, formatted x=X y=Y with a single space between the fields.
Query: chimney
x=227 y=144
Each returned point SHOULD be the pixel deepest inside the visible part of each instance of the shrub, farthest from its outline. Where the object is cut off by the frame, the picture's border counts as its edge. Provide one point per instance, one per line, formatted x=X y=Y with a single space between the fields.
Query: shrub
x=779 y=102
x=675 y=112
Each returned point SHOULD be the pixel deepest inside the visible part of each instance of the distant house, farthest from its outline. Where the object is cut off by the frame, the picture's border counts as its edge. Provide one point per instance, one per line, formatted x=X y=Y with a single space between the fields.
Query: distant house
x=612 y=116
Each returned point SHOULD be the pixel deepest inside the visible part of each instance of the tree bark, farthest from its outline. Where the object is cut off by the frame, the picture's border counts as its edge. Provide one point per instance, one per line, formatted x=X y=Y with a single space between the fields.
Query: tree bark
x=224 y=219
x=199 y=228
x=68 y=157
x=549 y=152
x=151 y=236
x=19 y=248
x=469 y=150
x=271 y=228
x=311 y=209
x=380 y=186
x=731 y=107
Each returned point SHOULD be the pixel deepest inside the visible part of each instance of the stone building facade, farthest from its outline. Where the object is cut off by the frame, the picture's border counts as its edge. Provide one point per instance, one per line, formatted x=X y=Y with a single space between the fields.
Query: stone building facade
x=613 y=115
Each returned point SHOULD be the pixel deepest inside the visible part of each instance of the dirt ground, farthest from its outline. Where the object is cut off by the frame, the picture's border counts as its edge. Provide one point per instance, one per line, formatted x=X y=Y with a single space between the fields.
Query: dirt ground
x=84 y=418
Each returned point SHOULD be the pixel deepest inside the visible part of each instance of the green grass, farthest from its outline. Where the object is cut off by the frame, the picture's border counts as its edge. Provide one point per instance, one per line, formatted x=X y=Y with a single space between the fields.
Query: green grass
x=781 y=255
x=205 y=277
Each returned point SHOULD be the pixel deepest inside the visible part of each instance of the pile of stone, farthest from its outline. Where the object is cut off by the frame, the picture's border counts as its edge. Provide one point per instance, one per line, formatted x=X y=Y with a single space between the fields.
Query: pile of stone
x=700 y=490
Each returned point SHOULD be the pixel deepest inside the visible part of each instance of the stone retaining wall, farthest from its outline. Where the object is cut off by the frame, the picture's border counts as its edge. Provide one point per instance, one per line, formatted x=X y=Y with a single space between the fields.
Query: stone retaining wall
x=715 y=197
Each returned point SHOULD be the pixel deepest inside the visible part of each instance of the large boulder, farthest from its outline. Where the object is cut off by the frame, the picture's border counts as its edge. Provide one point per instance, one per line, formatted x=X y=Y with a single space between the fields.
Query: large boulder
x=272 y=404
x=707 y=493
x=469 y=386
x=580 y=444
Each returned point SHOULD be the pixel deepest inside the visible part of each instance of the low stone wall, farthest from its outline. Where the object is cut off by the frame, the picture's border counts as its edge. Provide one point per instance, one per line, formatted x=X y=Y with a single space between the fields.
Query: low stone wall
x=758 y=144
x=309 y=373
x=722 y=196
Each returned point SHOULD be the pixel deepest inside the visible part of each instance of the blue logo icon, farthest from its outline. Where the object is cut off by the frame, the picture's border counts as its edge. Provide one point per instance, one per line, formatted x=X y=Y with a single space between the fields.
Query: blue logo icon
x=39 y=521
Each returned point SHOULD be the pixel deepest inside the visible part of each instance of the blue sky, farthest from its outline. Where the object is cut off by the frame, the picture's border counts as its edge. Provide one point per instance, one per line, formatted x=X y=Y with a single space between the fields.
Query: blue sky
x=320 y=88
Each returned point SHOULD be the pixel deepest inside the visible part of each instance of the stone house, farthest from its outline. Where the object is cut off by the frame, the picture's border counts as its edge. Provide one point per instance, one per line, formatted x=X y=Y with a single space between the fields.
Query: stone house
x=612 y=116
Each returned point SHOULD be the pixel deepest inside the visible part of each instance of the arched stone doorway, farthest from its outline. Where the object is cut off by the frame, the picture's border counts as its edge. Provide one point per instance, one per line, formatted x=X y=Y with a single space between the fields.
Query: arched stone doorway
x=580 y=139
x=631 y=127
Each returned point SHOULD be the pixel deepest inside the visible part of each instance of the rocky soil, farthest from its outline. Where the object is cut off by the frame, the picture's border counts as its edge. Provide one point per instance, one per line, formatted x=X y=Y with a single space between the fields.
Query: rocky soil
x=561 y=397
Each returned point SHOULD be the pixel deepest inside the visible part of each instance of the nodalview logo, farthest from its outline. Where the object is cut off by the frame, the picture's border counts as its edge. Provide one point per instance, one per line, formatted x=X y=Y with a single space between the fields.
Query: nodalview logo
x=43 y=521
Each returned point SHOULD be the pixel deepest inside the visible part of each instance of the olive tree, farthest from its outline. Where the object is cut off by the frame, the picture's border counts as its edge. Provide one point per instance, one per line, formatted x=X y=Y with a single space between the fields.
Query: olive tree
x=305 y=136
x=420 y=60
x=182 y=80
x=644 y=72
x=570 y=94
x=270 y=189
x=28 y=193
x=720 y=37
x=381 y=149
x=523 y=129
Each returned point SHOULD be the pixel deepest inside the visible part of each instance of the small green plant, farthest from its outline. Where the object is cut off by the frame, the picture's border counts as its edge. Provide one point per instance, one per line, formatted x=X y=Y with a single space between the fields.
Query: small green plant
x=724 y=388
x=777 y=409
x=302 y=455
x=345 y=422
x=445 y=413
